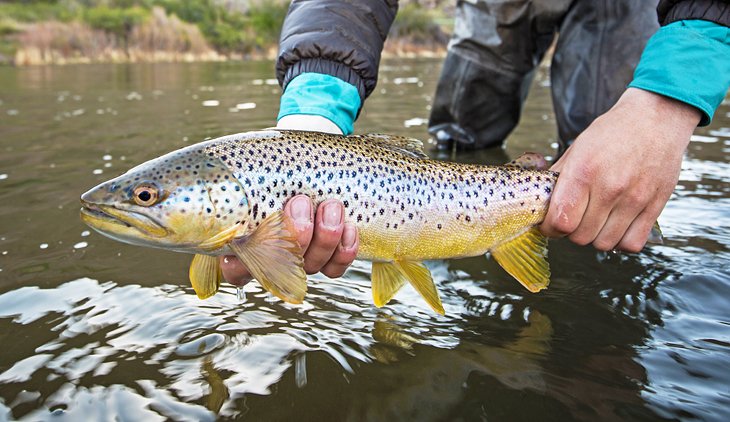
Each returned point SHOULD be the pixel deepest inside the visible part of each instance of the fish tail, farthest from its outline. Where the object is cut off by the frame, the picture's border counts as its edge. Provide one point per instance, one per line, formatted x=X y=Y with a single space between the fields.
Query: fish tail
x=655 y=235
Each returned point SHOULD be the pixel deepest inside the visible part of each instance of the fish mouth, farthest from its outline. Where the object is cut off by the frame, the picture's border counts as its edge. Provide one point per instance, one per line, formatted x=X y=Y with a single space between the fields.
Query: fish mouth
x=110 y=220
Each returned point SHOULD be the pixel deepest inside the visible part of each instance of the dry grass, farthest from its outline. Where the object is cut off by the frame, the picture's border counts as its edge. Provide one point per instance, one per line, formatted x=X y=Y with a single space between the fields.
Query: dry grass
x=159 y=38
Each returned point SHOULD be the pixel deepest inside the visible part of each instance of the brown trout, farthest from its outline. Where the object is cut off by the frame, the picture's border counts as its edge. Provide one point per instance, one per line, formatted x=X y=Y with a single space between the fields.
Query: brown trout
x=226 y=195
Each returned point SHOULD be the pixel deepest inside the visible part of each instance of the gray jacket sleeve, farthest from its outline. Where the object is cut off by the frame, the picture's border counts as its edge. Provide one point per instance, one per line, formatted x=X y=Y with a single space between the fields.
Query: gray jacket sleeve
x=342 y=38
x=717 y=11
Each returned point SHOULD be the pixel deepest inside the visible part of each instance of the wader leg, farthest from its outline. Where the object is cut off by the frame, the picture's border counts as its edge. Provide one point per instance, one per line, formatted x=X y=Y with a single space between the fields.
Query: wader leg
x=491 y=61
x=599 y=45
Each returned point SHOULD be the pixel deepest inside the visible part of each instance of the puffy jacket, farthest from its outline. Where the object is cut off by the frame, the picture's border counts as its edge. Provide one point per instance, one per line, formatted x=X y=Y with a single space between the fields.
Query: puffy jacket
x=345 y=38
x=335 y=37
x=717 y=11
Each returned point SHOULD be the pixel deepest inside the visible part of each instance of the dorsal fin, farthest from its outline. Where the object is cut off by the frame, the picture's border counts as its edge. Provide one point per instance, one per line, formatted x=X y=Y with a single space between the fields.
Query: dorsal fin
x=402 y=144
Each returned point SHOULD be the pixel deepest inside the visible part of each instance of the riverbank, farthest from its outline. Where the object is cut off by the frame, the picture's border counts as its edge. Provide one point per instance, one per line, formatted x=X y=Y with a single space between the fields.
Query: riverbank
x=43 y=34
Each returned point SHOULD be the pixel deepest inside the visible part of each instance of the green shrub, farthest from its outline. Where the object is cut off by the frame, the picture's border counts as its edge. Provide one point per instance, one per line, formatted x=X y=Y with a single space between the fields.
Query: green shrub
x=418 y=24
x=8 y=27
x=116 y=21
x=266 y=19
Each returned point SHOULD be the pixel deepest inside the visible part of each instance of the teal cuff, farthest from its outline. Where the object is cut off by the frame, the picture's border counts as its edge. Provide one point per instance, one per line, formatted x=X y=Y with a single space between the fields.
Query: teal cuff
x=690 y=62
x=322 y=95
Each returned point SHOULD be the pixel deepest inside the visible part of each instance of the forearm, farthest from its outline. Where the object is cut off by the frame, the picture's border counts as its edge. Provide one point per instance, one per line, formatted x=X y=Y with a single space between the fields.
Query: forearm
x=338 y=38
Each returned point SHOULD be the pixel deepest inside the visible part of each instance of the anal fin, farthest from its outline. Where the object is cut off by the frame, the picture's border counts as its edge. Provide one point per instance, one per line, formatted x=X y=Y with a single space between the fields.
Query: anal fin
x=273 y=256
x=525 y=258
x=389 y=277
x=205 y=275
x=421 y=280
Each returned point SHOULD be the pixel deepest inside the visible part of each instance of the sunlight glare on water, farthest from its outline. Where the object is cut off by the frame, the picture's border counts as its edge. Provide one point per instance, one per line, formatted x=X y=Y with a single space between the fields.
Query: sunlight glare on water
x=93 y=329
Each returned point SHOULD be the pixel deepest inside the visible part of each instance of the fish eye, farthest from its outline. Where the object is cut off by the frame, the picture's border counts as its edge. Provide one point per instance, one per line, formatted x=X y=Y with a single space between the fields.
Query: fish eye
x=146 y=195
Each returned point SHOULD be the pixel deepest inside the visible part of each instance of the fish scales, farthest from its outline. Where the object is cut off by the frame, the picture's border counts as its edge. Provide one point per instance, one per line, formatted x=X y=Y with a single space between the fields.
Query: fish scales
x=403 y=206
x=226 y=195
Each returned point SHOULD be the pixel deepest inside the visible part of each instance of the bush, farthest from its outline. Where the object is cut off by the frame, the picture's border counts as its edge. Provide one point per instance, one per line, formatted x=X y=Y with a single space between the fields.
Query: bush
x=115 y=21
x=417 y=24
x=266 y=19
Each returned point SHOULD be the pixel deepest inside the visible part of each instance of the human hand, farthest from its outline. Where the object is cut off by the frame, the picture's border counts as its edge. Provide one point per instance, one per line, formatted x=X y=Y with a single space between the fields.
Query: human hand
x=619 y=173
x=329 y=245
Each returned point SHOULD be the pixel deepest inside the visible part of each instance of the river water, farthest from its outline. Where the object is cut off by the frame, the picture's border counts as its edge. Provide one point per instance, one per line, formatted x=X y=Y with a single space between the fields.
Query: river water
x=92 y=329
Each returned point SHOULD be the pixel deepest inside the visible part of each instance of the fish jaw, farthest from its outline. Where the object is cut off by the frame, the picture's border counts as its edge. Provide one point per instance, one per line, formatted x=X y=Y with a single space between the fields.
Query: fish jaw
x=123 y=225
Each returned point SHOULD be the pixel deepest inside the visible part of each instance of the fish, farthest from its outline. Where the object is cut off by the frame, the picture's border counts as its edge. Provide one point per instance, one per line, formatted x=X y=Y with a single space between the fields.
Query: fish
x=225 y=196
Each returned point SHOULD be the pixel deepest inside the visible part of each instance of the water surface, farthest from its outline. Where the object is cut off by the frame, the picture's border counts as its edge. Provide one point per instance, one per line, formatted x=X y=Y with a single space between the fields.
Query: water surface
x=94 y=329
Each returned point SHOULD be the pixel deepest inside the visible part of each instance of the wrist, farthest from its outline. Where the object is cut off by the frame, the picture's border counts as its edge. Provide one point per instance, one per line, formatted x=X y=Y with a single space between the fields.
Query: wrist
x=668 y=115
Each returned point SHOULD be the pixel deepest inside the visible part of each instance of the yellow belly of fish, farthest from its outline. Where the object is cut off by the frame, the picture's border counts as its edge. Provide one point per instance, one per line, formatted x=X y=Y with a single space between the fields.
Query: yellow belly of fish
x=456 y=239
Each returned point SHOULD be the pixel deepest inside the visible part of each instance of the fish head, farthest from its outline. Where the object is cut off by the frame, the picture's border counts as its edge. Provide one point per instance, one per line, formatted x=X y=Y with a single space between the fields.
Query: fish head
x=187 y=200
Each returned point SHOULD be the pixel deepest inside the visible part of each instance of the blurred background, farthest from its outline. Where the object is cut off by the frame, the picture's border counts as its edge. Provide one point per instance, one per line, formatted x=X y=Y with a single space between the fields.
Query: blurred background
x=86 y=31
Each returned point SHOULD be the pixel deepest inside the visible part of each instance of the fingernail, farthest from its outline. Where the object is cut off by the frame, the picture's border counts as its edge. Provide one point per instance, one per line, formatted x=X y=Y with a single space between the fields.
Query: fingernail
x=332 y=215
x=301 y=210
x=348 y=236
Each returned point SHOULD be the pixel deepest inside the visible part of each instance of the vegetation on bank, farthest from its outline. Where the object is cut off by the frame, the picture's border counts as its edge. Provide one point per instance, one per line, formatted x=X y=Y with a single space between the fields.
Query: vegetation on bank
x=58 y=31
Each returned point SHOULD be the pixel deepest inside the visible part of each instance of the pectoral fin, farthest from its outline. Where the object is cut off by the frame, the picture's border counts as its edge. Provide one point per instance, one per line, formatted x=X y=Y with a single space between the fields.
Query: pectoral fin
x=389 y=277
x=205 y=275
x=274 y=258
x=524 y=257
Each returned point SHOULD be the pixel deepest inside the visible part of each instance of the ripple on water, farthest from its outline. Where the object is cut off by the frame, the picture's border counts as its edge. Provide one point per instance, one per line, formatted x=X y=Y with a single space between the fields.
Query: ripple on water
x=201 y=345
x=181 y=343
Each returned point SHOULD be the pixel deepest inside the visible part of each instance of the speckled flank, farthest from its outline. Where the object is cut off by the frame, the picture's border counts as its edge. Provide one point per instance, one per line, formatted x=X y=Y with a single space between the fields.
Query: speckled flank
x=405 y=207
